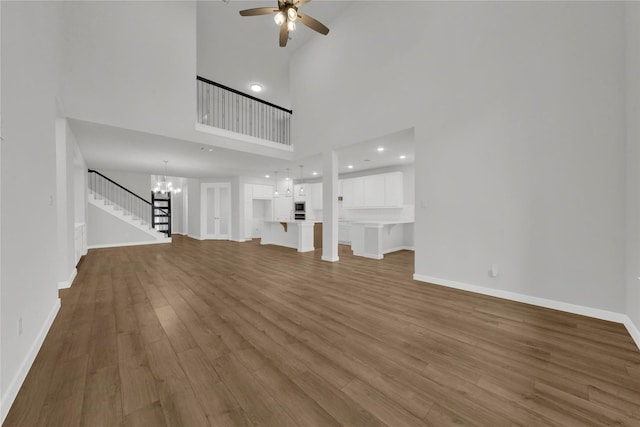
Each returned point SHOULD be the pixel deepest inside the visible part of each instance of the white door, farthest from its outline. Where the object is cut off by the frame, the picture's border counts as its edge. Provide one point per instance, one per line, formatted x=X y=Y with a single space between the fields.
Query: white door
x=216 y=211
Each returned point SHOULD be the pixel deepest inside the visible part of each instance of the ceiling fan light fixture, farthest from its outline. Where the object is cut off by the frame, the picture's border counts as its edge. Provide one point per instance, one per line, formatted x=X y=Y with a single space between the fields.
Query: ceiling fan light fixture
x=292 y=14
x=291 y=25
x=279 y=18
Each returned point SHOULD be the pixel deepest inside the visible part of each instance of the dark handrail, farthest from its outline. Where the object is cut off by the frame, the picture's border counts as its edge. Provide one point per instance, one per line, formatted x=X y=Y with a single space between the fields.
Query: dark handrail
x=120 y=186
x=202 y=79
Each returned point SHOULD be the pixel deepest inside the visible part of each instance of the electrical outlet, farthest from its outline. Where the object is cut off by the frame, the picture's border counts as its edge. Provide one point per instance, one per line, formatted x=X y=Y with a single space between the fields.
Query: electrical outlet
x=19 y=326
x=493 y=271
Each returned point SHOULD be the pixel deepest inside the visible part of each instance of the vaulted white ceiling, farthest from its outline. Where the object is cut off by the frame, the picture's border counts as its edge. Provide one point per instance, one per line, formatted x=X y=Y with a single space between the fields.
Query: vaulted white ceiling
x=235 y=51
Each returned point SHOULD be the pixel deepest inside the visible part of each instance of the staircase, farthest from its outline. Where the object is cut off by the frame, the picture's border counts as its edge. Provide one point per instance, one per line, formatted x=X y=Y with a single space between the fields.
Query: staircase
x=111 y=197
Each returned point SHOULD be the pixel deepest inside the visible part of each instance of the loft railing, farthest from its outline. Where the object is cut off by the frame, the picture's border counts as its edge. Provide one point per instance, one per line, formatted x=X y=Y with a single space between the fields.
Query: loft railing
x=226 y=108
x=119 y=197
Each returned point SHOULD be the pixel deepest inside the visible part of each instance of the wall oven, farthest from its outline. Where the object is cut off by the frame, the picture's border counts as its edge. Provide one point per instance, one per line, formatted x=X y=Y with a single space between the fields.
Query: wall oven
x=299 y=211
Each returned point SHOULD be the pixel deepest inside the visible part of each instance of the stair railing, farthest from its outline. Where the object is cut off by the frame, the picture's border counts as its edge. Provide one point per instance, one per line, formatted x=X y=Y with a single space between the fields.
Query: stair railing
x=226 y=108
x=119 y=197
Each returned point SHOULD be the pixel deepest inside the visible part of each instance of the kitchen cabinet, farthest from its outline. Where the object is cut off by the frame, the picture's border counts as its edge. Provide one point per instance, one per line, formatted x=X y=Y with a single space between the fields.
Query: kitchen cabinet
x=373 y=191
x=393 y=189
x=315 y=196
x=262 y=191
x=283 y=208
x=297 y=197
x=353 y=193
x=344 y=233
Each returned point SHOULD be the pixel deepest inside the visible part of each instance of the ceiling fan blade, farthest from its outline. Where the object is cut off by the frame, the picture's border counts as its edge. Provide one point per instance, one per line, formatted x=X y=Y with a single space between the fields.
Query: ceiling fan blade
x=258 y=11
x=313 y=24
x=284 y=35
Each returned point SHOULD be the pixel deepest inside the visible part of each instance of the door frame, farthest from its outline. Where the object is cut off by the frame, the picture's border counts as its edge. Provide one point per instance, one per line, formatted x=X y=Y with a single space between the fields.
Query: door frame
x=204 y=187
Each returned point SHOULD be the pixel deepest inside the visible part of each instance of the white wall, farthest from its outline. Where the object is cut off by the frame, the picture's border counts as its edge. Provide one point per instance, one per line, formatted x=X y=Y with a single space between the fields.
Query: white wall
x=193 y=203
x=519 y=117
x=66 y=205
x=28 y=285
x=219 y=45
x=105 y=229
x=141 y=76
x=80 y=185
x=139 y=183
x=633 y=162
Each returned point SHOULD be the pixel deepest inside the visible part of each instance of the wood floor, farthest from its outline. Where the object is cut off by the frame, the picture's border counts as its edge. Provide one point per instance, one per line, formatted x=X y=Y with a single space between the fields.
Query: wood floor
x=237 y=334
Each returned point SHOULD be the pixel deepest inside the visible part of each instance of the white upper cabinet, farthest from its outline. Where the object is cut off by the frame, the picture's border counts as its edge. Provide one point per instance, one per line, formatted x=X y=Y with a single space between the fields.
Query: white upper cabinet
x=314 y=195
x=393 y=189
x=262 y=191
x=373 y=191
x=297 y=197
x=283 y=208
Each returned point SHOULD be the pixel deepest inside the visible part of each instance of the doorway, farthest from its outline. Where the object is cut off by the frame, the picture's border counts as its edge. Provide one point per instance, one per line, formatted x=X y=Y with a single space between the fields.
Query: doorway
x=216 y=211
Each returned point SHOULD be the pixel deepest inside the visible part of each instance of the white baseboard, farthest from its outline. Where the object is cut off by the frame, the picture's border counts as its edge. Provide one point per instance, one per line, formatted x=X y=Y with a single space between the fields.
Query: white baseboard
x=12 y=391
x=542 y=302
x=633 y=330
x=195 y=237
x=370 y=256
x=68 y=283
x=117 y=245
x=238 y=240
x=329 y=259
x=398 y=248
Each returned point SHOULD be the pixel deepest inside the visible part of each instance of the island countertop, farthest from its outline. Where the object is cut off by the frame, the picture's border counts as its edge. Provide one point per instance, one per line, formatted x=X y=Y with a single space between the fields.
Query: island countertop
x=293 y=221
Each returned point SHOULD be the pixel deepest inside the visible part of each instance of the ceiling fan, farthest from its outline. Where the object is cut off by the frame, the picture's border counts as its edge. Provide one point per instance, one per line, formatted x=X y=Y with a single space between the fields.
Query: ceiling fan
x=286 y=16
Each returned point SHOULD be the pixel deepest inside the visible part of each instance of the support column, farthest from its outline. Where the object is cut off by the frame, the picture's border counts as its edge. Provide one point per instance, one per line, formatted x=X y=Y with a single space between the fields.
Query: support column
x=330 y=206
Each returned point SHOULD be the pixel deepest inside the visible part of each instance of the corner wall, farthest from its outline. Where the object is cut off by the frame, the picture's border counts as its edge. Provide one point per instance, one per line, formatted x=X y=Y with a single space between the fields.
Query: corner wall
x=31 y=40
x=518 y=109
x=632 y=13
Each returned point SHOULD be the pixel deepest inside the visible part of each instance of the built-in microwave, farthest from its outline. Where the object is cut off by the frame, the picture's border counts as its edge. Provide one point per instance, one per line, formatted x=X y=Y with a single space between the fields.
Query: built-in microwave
x=299 y=211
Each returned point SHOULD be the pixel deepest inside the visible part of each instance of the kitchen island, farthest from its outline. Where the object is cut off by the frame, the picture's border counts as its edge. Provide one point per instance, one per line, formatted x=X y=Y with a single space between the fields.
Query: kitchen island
x=297 y=235
x=373 y=239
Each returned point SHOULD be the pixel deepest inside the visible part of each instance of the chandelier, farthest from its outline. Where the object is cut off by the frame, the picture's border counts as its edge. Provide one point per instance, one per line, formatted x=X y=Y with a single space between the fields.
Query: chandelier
x=163 y=186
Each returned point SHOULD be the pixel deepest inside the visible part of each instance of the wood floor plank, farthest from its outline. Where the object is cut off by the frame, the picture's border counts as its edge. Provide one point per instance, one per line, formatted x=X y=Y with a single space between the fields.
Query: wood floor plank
x=219 y=333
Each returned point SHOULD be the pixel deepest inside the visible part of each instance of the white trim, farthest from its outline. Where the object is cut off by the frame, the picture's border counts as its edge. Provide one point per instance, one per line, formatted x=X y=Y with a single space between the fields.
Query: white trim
x=370 y=256
x=194 y=237
x=597 y=313
x=329 y=259
x=241 y=137
x=117 y=245
x=542 y=302
x=127 y=219
x=18 y=379
x=633 y=330
x=68 y=283
x=398 y=248
x=238 y=240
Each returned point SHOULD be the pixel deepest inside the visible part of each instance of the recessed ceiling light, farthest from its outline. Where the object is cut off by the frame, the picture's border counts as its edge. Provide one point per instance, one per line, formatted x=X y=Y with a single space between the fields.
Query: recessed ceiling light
x=256 y=87
x=267 y=176
x=315 y=173
x=380 y=149
x=403 y=157
x=210 y=149
x=350 y=166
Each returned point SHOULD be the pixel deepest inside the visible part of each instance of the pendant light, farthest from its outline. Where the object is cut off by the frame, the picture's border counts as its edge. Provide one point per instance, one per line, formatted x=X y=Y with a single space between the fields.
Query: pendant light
x=301 y=191
x=288 y=184
x=275 y=177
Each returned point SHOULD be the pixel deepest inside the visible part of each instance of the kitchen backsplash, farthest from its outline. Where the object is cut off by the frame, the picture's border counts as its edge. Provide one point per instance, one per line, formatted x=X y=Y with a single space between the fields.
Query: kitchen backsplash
x=405 y=213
